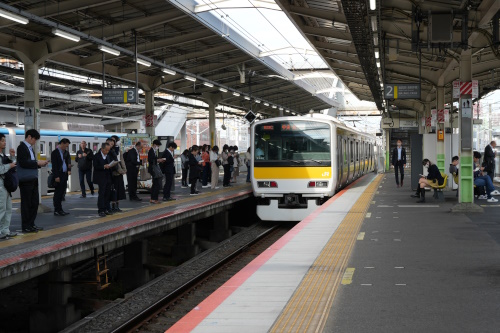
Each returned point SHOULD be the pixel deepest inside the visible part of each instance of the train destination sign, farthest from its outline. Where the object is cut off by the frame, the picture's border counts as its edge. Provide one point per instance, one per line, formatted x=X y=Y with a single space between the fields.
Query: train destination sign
x=402 y=91
x=119 y=96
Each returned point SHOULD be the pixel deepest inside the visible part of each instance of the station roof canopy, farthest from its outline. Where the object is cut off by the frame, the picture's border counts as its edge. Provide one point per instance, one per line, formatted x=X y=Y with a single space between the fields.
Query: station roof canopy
x=66 y=39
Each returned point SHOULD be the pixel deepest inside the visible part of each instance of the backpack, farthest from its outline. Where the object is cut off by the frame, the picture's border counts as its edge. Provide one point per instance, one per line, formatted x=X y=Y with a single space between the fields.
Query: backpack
x=10 y=180
x=230 y=160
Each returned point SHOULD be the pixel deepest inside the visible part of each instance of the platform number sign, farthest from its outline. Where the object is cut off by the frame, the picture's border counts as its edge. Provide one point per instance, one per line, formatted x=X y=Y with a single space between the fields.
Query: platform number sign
x=119 y=96
x=402 y=91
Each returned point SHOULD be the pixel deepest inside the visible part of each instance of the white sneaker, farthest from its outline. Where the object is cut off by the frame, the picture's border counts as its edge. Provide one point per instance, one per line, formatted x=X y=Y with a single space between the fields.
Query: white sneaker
x=492 y=200
x=495 y=192
x=482 y=197
x=206 y=186
x=184 y=187
x=217 y=187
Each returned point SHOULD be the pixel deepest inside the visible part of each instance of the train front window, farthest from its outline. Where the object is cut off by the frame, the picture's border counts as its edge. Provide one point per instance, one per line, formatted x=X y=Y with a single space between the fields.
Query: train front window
x=292 y=143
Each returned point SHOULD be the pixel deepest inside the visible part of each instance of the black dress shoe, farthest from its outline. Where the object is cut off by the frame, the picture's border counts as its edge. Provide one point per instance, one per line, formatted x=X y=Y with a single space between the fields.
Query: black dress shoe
x=169 y=199
x=415 y=195
x=65 y=213
x=29 y=230
x=59 y=213
x=37 y=228
x=83 y=196
x=92 y=193
x=102 y=214
x=108 y=212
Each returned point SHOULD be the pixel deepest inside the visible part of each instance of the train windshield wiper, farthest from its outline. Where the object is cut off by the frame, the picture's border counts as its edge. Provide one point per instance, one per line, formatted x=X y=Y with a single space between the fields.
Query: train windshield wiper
x=319 y=162
x=296 y=162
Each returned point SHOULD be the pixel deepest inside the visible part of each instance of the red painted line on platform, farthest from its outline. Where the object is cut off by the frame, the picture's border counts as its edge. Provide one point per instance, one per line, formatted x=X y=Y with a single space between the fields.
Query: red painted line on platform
x=59 y=246
x=198 y=314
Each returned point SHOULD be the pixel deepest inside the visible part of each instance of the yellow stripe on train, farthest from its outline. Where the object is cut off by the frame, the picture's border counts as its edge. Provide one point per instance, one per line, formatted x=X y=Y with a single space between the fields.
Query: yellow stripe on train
x=292 y=172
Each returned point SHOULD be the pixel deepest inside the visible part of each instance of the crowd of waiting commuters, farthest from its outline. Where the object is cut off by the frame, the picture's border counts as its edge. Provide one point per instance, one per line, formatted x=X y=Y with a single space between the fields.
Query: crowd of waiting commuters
x=107 y=168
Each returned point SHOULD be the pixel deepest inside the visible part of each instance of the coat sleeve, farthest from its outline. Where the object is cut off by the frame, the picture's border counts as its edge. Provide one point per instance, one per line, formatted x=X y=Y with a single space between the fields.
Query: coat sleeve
x=4 y=167
x=24 y=158
x=98 y=165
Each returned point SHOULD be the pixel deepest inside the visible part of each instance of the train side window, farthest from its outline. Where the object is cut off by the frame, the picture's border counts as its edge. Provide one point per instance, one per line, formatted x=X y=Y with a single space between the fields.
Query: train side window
x=73 y=148
x=351 y=151
x=50 y=148
x=357 y=151
x=42 y=147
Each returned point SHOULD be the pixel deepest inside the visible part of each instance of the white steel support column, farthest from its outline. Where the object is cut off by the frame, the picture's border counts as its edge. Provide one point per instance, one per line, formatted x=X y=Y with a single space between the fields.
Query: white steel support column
x=212 y=124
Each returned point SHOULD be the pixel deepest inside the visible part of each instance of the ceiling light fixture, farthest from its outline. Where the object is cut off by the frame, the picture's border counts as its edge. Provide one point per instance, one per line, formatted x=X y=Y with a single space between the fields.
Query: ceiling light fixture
x=108 y=50
x=168 y=71
x=374 y=23
x=190 y=78
x=257 y=101
x=65 y=34
x=89 y=90
x=373 y=4
x=375 y=39
x=266 y=104
x=208 y=84
x=377 y=54
x=13 y=17
x=57 y=84
x=223 y=89
x=247 y=98
x=236 y=94
x=281 y=109
x=274 y=106
x=143 y=62
x=378 y=63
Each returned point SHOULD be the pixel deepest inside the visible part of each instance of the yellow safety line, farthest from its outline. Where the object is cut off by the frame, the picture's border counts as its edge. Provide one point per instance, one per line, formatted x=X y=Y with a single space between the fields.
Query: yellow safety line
x=21 y=239
x=319 y=286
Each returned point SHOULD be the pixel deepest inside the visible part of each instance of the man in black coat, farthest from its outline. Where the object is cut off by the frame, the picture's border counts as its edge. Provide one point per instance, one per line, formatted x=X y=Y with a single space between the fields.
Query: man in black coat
x=27 y=170
x=61 y=161
x=194 y=169
x=133 y=163
x=84 y=157
x=489 y=159
x=103 y=179
x=399 y=162
x=168 y=170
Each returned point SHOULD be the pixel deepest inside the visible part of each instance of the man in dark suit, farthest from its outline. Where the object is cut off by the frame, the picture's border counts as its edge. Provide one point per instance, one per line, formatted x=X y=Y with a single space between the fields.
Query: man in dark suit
x=84 y=157
x=133 y=163
x=103 y=179
x=489 y=159
x=168 y=170
x=28 y=180
x=399 y=162
x=61 y=161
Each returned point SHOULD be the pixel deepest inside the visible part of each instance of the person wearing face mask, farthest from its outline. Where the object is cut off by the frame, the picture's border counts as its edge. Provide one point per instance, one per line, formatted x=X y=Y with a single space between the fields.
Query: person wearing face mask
x=399 y=162
x=433 y=176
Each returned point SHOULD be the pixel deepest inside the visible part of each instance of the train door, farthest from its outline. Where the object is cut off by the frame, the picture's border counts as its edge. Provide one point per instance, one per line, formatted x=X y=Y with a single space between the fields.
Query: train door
x=339 y=161
x=350 y=160
x=345 y=162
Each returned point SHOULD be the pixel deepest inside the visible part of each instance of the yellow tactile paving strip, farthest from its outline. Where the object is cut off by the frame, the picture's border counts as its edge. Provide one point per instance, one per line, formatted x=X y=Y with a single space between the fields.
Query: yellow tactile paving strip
x=309 y=306
x=80 y=225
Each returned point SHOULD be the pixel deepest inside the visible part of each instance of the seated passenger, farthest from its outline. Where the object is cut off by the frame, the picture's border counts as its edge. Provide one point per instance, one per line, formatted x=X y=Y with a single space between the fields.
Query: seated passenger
x=454 y=170
x=433 y=176
x=481 y=179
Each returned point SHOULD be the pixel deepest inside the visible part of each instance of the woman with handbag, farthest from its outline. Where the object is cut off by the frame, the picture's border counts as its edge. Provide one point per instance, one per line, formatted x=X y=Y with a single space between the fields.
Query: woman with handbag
x=155 y=171
x=215 y=163
x=118 y=185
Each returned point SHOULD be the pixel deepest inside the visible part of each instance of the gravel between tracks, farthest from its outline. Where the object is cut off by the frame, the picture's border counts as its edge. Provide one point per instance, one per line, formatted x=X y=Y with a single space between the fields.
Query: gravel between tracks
x=115 y=314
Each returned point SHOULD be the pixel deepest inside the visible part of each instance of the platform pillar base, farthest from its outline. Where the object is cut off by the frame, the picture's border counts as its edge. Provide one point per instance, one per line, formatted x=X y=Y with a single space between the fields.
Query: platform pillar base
x=134 y=274
x=53 y=312
x=466 y=207
x=221 y=229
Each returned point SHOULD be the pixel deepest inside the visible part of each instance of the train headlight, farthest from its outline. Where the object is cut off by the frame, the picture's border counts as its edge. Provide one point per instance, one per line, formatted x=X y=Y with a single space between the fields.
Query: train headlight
x=317 y=184
x=271 y=184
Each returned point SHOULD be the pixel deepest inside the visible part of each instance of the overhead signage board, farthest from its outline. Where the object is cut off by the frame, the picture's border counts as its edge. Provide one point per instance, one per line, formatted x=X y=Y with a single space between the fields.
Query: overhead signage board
x=119 y=96
x=402 y=90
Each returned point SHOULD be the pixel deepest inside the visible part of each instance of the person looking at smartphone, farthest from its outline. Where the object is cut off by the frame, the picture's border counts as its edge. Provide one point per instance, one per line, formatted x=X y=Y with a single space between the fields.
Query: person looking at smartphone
x=84 y=157
x=434 y=176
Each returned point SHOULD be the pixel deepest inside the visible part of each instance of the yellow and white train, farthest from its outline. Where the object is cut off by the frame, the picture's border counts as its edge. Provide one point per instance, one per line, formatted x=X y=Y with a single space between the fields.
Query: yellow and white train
x=299 y=162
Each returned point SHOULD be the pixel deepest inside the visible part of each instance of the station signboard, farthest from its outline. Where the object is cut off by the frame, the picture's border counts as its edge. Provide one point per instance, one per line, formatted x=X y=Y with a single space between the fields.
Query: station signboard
x=402 y=90
x=119 y=96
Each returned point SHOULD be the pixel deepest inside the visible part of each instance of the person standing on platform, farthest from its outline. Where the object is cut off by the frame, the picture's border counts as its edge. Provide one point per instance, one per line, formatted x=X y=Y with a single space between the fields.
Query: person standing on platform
x=103 y=179
x=117 y=192
x=227 y=167
x=60 y=167
x=399 y=162
x=168 y=170
x=84 y=158
x=215 y=164
x=248 y=162
x=6 y=164
x=489 y=158
x=205 y=157
x=194 y=169
x=184 y=167
x=27 y=171
x=152 y=161
x=133 y=164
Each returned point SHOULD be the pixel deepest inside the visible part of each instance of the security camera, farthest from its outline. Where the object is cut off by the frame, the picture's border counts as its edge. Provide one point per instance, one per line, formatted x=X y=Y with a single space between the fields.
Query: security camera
x=223 y=127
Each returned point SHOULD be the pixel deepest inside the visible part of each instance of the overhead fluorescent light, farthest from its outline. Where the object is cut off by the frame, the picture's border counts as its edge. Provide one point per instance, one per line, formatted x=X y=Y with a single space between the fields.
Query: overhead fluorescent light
x=108 y=50
x=236 y=94
x=377 y=54
x=266 y=104
x=223 y=89
x=274 y=106
x=257 y=101
x=373 y=4
x=374 y=23
x=281 y=109
x=13 y=17
x=247 y=98
x=143 y=62
x=57 y=84
x=208 y=84
x=190 y=78
x=378 y=63
x=168 y=71
x=18 y=77
x=65 y=34
x=90 y=90
x=375 y=39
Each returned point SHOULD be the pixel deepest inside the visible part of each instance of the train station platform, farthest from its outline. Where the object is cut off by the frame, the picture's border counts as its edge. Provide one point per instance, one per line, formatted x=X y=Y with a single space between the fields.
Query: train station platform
x=370 y=259
x=72 y=238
